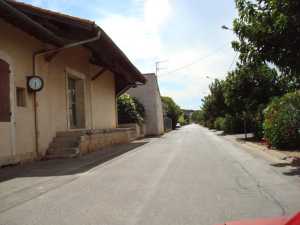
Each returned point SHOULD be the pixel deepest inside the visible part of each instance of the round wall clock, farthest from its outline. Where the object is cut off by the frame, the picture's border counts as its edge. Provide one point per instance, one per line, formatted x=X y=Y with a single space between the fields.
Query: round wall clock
x=35 y=83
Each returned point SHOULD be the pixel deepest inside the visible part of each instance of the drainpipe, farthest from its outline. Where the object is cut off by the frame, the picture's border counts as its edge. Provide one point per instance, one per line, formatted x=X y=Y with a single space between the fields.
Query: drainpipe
x=34 y=57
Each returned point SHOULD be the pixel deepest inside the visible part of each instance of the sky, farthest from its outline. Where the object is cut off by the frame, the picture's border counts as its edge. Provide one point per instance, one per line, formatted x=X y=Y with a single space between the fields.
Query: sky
x=185 y=35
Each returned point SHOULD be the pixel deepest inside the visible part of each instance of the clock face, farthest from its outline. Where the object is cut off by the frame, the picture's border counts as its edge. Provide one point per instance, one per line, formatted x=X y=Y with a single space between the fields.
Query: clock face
x=35 y=83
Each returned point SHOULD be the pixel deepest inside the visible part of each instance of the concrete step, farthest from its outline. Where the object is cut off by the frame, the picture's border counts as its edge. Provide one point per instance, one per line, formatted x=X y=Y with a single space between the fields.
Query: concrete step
x=63 y=139
x=63 y=150
x=64 y=144
x=58 y=153
x=71 y=133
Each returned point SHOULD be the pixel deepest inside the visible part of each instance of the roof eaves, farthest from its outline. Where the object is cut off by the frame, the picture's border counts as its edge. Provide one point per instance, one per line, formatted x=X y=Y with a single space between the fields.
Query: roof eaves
x=25 y=10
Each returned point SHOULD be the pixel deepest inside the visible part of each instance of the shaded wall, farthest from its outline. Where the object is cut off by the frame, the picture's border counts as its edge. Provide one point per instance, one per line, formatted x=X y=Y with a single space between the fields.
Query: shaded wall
x=149 y=96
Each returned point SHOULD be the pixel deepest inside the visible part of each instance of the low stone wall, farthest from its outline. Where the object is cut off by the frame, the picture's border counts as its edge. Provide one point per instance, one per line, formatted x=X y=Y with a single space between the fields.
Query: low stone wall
x=139 y=129
x=97 y=139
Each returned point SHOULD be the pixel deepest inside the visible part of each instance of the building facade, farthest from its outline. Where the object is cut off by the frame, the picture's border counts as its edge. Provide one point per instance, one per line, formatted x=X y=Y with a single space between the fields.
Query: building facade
x=149 y=96
x=81 y=81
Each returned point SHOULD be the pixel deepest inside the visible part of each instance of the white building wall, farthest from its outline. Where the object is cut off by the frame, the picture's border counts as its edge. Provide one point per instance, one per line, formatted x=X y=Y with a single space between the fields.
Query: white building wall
x=149 y=96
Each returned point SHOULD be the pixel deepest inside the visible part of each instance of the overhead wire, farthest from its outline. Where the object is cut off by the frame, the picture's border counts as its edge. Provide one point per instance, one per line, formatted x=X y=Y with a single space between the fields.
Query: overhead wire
x=196 y=61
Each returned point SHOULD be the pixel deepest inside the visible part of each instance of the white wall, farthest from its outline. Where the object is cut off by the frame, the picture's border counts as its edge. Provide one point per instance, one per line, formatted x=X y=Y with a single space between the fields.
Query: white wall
x=149 y=96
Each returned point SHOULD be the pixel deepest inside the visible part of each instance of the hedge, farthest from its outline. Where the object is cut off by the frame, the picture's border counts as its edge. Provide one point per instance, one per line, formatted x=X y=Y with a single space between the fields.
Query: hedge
x=282 y=121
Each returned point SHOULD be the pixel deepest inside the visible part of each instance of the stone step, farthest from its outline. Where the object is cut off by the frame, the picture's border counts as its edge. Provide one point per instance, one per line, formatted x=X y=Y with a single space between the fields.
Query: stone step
x=62 y=153
x=64 y=144
x=71 y=133
x=66 y=150
x=63 y=139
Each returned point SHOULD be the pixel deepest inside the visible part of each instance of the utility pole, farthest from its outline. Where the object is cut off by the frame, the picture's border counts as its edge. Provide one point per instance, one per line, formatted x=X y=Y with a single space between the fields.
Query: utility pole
x=157 y=66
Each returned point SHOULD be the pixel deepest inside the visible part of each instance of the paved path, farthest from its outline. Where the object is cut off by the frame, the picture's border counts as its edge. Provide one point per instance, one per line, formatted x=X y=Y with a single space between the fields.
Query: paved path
x=189 y=176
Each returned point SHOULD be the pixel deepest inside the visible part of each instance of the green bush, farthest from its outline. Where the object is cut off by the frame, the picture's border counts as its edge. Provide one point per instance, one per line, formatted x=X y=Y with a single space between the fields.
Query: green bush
x=219 y=123
x=181 y=120
x=197 y=117
x=130 y=110
x=258 y=129
x=232 y=124
x=171 y=110
x=282 y=121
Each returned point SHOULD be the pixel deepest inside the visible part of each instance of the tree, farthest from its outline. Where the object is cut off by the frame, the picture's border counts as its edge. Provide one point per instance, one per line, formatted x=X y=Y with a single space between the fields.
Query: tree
x=269 y=31
x=197 y=117
x=130 y=110
x=214 y=105
x=171 y=110
x=248 y=89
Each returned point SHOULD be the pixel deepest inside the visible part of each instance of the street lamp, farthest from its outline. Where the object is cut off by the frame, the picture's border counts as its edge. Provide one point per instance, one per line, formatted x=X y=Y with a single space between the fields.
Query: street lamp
x=226 y=28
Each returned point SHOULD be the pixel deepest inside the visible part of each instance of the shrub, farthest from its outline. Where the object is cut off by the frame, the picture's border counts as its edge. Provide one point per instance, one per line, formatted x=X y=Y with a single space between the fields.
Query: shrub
x=197 y=117
x=219 y=123
x=232 y=124
x=171 y=110
x=130 y=110
x=181 y=120
x=258 y=129
x=282 y=121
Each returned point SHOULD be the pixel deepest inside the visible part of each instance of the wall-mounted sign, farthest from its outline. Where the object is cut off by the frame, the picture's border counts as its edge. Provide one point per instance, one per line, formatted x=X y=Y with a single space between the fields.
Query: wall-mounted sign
x=35 y=83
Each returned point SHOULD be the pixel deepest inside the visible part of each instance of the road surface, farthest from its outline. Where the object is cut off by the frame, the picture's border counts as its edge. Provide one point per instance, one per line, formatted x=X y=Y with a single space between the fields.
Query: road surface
x=189 y=176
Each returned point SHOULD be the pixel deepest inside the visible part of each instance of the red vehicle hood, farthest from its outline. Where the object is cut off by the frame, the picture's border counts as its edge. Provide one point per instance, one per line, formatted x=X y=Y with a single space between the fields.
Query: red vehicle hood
x=295 y=220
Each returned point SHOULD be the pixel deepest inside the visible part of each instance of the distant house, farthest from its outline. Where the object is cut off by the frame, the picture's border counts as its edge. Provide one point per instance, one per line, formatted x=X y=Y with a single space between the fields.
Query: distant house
x=149 y=96
x=59 y=79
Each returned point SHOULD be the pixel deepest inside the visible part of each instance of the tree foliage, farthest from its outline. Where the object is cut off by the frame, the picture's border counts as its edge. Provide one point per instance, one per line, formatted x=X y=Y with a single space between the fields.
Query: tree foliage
x=282 y=121
x=241 y=97
x=269 y=31
x=130 y=110
x=250 y=86
x=268 y=43
x=171 y=110
x=214 y=104
x=219 y=123
x=197 y=117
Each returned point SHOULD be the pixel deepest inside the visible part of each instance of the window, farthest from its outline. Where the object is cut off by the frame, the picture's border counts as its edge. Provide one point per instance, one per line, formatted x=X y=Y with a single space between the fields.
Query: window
x=21 y=97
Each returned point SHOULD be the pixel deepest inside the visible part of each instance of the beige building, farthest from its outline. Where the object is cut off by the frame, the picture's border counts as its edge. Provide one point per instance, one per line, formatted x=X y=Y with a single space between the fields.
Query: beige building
x=82 y=69
x=149 y=96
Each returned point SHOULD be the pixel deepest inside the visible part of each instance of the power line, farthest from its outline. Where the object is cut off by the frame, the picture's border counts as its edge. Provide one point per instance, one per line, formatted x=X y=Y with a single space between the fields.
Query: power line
x=196 y=61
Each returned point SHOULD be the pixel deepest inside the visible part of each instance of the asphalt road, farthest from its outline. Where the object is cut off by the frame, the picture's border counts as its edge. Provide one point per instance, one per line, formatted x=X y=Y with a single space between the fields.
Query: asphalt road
x=189 y=176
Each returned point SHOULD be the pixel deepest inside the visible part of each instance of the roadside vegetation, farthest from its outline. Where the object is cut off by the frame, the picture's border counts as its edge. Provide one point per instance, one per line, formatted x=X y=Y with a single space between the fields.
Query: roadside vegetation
x=173 y=111
x=262 y=94
x=130 y=110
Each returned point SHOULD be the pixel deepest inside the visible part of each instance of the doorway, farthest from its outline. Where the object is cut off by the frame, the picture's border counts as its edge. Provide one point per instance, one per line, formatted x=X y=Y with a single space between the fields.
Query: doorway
x=5 y=110
x=76 y=103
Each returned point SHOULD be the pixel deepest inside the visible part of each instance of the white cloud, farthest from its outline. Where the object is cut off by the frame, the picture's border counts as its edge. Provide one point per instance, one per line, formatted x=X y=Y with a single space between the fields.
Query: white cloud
x=139 y=36
x=193 y=79
x=156 y=12
x=132 y=36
